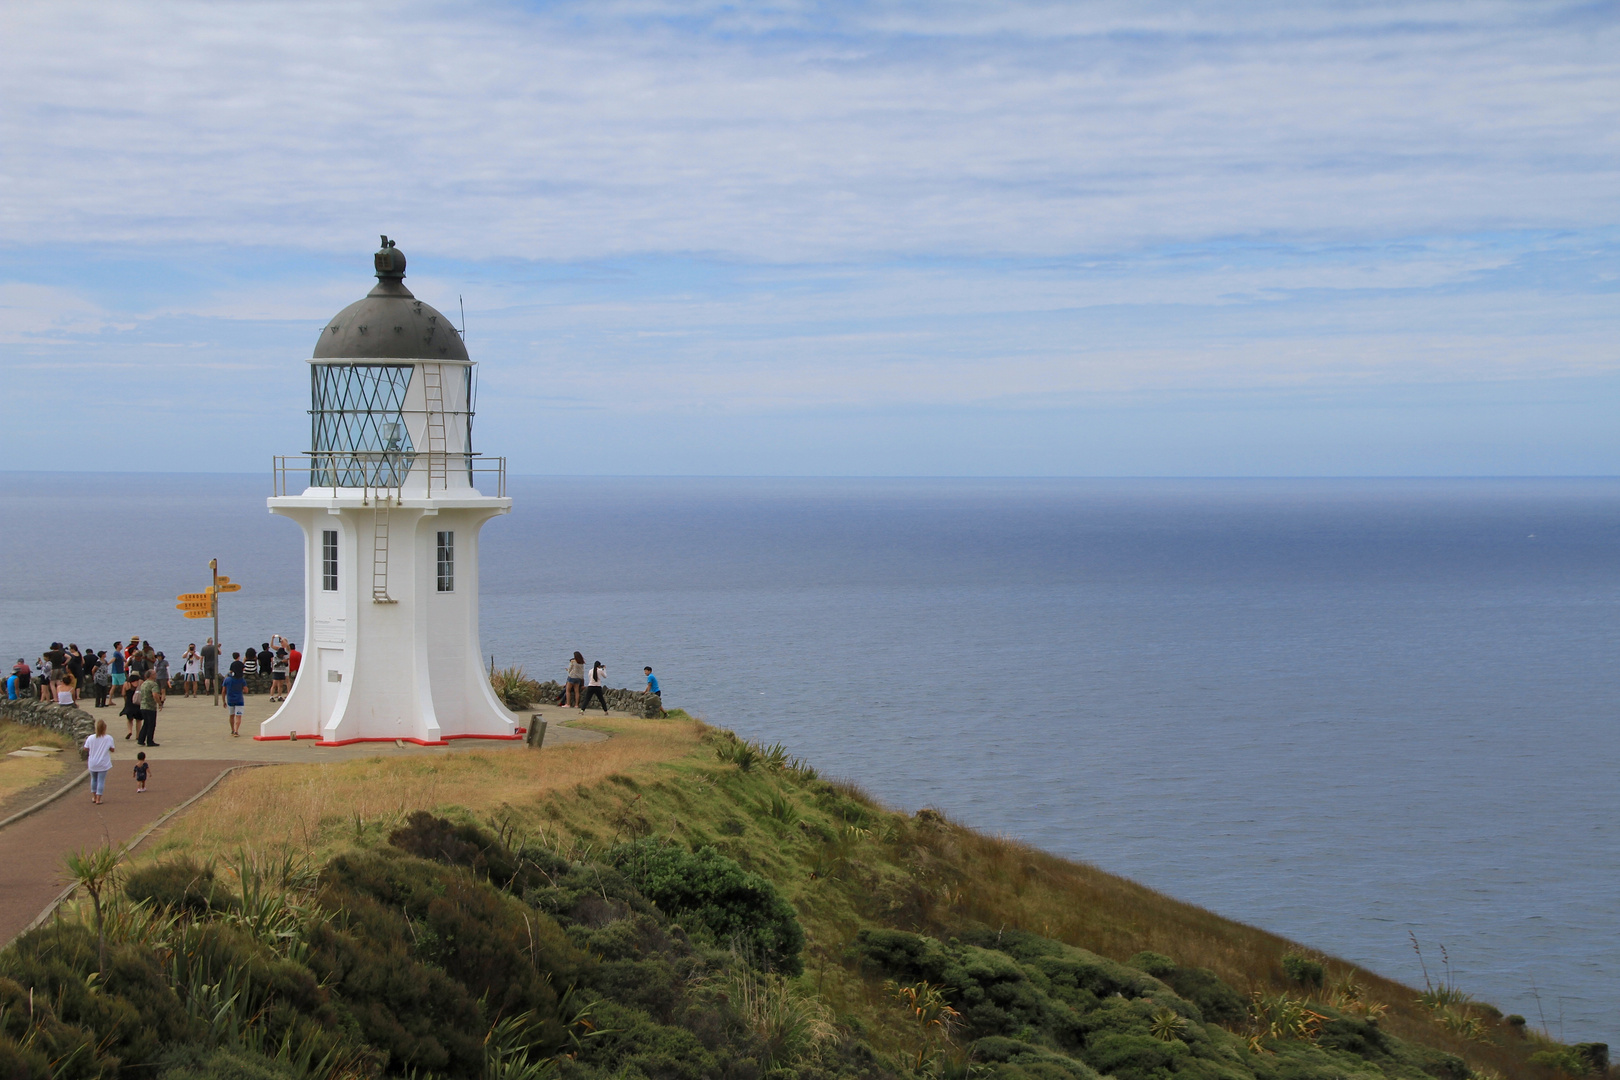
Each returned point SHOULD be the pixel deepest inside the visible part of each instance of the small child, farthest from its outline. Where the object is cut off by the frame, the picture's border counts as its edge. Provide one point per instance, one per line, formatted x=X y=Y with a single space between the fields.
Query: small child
x=142 y=767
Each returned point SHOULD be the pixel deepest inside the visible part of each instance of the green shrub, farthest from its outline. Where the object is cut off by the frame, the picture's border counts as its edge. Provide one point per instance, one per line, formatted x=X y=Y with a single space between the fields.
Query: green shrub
x=589 y=895
x=179 y=884
x=1303 y=970
x=223 y=1063
x=1217 y=1002
x=1068 y=968
x=132 y=1010
x=23 y=1062
x=1568 y=1060
x=1131 y=1057
x=32 y=1036
x=441 y=840
x=1155 y=964
x=1016 y=1060
x=515 y=689
x=634 y=1045
x=425 y=956
x=726 y=900
x=1596 y=1055
x=995 y=994
x=1360 y=1037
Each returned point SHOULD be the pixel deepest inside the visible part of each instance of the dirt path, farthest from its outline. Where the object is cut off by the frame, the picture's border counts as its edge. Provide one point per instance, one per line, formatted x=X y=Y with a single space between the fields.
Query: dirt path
x=31 y=850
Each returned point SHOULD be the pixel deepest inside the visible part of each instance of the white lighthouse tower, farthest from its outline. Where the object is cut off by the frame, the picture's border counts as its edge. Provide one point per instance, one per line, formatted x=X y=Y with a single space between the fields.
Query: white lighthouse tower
x=391 y=517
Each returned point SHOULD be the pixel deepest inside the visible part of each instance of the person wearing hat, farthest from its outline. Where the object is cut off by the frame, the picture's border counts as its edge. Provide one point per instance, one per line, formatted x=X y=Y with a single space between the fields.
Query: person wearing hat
x=56 y=656
x=160 y=668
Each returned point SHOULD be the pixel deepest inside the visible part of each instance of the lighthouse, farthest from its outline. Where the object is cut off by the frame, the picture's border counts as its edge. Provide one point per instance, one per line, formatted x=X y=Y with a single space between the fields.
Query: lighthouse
x=391 y=498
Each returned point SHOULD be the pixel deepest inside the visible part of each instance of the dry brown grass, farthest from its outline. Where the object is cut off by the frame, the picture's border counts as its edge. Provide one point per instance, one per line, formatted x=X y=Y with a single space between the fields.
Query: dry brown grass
x=20 y=774
x=315 y=808
x=16 y=736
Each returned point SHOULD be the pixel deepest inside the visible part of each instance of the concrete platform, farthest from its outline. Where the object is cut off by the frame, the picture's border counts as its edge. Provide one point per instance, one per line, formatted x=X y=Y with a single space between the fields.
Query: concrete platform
x=195 y=729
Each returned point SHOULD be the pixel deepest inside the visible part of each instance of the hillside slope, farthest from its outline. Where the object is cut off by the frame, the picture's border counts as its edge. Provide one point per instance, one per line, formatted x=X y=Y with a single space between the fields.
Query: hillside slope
x=674 y=903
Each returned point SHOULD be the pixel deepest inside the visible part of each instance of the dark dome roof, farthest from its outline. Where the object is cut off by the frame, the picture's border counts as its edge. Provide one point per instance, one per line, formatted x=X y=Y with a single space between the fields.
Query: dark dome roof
x=390 y=323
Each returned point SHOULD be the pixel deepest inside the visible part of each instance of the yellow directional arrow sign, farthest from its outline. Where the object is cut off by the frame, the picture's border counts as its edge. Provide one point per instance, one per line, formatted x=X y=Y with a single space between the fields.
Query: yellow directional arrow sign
x=221 y=579
x=230 y=588
x=199 y=614
x=207 y=609
x=183 y=597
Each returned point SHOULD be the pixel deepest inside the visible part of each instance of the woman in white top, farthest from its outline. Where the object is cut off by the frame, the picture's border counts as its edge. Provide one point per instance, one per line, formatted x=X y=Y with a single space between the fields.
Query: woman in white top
x=593 y=688
x=100 y=748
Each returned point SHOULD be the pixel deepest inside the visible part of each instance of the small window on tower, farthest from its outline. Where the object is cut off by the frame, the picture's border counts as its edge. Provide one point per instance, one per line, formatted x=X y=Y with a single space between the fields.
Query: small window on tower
x=447 y=562
x=329 y=560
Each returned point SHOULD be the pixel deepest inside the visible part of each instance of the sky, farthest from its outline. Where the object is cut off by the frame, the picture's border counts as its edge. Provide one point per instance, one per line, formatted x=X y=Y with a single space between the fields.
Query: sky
x=1123 y=239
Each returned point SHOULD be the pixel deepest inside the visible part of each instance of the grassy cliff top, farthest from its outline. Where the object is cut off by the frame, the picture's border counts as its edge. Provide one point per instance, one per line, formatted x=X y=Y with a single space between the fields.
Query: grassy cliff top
x=926 y=948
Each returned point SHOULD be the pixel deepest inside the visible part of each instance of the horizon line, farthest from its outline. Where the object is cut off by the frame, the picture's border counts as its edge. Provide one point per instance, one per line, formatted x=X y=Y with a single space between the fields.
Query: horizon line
x=890 y=476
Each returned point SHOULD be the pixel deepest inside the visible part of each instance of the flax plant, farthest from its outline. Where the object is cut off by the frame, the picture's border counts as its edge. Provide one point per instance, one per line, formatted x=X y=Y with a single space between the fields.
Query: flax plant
x=791 y=1026
x=96 y=871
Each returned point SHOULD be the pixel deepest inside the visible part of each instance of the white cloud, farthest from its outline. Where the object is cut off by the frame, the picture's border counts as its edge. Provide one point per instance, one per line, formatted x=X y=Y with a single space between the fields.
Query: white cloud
x=751 y=211
x=38 y=314
x=802 y=131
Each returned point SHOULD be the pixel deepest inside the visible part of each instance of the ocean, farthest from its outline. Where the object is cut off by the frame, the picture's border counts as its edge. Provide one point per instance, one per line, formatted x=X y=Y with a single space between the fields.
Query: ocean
x=1346 y=711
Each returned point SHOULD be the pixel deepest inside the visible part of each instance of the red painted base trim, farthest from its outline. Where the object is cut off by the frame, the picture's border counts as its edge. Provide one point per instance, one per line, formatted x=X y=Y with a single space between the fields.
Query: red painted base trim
x=350 y=742
x=417 y=742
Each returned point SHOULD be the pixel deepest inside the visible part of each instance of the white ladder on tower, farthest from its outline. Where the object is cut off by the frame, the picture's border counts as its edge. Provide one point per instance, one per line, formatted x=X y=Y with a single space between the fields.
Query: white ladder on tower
x=379 y=555
x=433 y=391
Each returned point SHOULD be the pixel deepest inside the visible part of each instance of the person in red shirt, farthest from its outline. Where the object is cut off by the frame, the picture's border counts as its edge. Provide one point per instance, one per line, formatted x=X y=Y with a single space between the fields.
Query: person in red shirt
x=294 y=658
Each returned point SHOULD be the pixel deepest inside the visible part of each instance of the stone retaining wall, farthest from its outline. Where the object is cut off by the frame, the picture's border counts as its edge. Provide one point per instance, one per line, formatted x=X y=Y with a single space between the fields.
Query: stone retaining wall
x=635 y=702
x=67 y=720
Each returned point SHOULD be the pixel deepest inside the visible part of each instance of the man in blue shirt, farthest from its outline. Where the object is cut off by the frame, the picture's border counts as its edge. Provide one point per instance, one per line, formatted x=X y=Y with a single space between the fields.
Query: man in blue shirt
x=652 y=688
x=235 y=686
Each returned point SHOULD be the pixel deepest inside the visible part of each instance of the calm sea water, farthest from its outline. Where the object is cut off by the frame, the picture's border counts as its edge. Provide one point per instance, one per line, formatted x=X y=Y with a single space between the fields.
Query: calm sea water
x=1340 y=710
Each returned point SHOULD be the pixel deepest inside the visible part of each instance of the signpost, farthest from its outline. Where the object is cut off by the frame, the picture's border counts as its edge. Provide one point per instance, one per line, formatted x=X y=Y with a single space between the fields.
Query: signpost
x=205 y=605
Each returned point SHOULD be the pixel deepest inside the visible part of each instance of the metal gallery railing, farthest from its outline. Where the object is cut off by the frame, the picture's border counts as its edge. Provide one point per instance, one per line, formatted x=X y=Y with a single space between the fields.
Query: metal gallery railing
x=382 y=473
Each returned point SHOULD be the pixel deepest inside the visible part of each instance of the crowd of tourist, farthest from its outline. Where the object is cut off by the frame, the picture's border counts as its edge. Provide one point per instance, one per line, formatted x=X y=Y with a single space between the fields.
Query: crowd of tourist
x=141 y=676
x=138 y=676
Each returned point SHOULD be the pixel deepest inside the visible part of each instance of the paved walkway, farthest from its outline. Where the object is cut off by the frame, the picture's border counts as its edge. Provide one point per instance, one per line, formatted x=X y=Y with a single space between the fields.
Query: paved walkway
x=32 y=850
x=194 y=747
